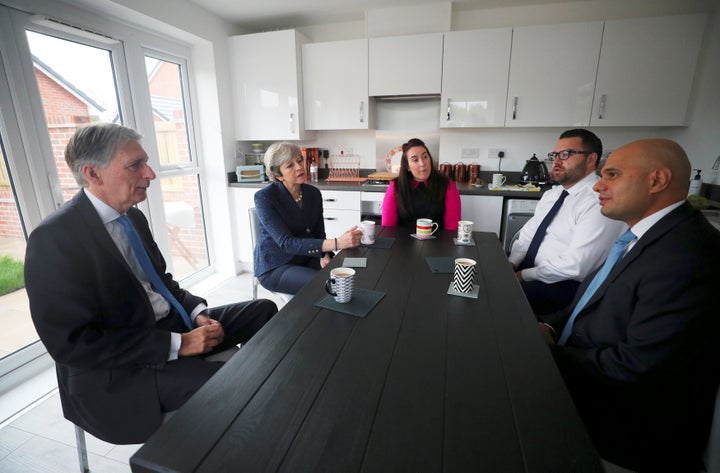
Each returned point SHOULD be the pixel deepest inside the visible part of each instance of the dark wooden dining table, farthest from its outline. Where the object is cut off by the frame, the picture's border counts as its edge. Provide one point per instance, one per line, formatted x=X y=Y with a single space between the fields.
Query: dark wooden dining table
x=426 y=382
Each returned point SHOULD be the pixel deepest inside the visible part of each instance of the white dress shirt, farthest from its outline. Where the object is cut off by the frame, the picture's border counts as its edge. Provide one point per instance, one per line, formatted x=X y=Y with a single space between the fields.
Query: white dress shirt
x=578 y=239
x=160 y=305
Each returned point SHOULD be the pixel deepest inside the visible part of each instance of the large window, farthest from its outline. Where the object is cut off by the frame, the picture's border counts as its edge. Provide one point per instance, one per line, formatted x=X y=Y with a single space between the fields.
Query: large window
x=57 y=76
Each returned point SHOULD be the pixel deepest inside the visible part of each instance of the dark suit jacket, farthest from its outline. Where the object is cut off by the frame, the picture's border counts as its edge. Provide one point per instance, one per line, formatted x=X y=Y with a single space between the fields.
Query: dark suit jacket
x=643 y=361
x=288 y=234
x=97 y=323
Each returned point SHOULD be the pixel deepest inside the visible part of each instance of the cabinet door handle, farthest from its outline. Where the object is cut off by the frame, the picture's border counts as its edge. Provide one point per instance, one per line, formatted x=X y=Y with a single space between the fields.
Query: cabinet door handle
x=515 y=102
x=362 y=111
x=330 y=218
x=329 y=200
x=448 y=110
x=601 y=112
x=292 y=123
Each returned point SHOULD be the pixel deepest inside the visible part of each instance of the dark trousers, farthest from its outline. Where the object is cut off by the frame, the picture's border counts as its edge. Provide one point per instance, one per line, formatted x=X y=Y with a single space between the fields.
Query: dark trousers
x=179 y=379
x=547 y=298
x=289 y=278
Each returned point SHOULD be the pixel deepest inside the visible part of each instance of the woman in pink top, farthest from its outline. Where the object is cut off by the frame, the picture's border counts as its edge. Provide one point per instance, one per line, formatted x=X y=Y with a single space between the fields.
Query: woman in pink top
x=420 y=191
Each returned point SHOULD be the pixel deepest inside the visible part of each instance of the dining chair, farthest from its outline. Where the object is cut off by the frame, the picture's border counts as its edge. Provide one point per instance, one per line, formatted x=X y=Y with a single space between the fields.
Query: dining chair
x=254 y=233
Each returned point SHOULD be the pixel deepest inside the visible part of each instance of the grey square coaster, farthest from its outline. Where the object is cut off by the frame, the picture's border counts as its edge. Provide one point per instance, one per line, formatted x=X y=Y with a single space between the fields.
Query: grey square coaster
x=355 y=262
x=464 y=243
x=361 y=304
x=472 y=295
x=421 y=238
x=441 y=264
x=383 y=243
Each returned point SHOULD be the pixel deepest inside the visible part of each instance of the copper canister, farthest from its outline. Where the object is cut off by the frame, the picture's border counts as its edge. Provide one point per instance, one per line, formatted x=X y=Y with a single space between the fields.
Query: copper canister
x=473 y=173
x=446 y=168
x=460 y=172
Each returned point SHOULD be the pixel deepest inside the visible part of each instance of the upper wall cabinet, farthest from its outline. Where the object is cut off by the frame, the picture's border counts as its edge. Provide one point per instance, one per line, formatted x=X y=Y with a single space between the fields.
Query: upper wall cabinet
x=406 y=65
x=475 y=78
x=646 y=71
x=267 y=85
x=552 y=74
x=335 y=78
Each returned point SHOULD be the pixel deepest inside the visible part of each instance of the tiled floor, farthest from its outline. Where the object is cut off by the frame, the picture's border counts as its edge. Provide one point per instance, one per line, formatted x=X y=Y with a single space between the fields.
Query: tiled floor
x=42 y=441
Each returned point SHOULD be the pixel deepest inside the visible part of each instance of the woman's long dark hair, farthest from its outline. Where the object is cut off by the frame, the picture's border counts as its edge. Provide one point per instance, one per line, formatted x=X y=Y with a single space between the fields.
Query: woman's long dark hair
x=436 y=183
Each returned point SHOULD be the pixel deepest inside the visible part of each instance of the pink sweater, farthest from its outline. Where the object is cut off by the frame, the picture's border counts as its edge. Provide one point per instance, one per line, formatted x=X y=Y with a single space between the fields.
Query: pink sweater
x=452 y=206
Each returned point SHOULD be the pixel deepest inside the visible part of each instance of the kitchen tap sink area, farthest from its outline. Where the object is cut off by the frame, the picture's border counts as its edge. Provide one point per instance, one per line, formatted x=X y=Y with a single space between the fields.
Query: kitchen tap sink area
x=713 y=216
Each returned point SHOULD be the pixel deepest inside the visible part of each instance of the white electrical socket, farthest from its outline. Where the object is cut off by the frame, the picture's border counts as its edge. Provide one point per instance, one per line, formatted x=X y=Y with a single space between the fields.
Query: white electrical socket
x=494 y=153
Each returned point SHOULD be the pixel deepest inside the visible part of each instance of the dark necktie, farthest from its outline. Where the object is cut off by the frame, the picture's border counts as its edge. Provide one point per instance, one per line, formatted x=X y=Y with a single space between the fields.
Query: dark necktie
x=149 y=270
x=613 y=257
x=529 y=260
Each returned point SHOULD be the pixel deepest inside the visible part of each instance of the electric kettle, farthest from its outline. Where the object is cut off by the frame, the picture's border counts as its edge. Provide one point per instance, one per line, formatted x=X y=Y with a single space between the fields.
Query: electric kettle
x=534 y=172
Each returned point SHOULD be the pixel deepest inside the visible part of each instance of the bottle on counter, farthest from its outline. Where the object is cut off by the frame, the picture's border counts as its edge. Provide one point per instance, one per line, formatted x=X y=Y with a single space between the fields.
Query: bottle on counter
x=313 y=171
x=695 y=184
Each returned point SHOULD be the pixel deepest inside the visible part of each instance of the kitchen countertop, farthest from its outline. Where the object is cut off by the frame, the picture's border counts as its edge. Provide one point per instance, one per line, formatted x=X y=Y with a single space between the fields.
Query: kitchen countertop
x=464 y=189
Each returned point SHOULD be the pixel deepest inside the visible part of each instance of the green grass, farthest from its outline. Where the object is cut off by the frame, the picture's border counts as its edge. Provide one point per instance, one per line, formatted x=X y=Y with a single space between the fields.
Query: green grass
x=11 y=275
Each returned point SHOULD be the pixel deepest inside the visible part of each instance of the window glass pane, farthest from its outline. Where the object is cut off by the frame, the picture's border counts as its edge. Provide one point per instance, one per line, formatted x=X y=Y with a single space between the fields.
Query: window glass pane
x=77 y=87
x=17 y=327
x=185 y=223
x=165 y=83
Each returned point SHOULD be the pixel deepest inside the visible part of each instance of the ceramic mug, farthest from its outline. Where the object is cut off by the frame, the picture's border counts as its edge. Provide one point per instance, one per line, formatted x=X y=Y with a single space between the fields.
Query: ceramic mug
x=465 y=228
x=368 y=229
x=498 y=180
x=424 y=227
x=464 y=275
x=341 y=284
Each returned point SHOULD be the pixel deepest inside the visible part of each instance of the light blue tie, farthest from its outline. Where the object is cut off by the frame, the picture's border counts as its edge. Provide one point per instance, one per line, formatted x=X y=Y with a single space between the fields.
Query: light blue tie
x=149 y=270
x=613 y=257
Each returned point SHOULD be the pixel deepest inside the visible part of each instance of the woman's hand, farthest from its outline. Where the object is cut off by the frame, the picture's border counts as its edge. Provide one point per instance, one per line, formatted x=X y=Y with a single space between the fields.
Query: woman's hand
x=350 y=239
x=324 y=261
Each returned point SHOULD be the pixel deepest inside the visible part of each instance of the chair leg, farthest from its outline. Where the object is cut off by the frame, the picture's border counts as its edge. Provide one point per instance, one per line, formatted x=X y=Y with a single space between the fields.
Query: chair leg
x=81 y=450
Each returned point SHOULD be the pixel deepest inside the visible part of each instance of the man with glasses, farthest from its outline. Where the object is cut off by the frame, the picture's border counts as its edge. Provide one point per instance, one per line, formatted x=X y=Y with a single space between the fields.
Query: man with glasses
x=568 y=237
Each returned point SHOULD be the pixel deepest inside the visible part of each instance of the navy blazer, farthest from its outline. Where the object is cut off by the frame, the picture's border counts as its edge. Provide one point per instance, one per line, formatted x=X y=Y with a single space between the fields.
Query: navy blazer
x=643 y=360
x=289 y=234
x=96 y=321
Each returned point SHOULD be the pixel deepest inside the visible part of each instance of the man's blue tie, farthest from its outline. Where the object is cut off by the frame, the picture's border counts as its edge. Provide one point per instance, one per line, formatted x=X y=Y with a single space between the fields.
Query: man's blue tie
x=613 y=257
x=529 y=260
x=149 y=270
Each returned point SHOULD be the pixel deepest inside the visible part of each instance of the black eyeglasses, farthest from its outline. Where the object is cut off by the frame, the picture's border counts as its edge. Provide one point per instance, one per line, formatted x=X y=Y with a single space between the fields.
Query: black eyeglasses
x=566 y=153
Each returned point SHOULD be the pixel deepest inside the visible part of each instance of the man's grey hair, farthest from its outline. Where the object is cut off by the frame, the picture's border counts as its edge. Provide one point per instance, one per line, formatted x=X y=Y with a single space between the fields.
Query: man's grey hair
x=96 y=145
x=277 y=155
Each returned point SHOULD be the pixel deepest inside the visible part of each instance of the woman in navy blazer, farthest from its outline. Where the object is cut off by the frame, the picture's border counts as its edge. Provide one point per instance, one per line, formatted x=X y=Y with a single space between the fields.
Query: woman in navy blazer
x=292 y=245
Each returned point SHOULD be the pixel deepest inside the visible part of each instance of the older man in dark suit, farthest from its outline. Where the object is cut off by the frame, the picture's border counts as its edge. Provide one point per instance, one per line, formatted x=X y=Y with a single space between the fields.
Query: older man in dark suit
x=639 y=349
x=126 y=338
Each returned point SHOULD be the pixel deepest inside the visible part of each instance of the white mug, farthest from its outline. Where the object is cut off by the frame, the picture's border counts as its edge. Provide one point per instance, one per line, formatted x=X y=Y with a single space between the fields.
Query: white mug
x=368 y=229
x=465 y=228
x=498 y=180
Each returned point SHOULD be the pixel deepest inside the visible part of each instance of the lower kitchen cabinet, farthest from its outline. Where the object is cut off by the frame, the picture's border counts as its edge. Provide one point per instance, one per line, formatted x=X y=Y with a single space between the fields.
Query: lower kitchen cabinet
x=341 y=211
x=485 y=211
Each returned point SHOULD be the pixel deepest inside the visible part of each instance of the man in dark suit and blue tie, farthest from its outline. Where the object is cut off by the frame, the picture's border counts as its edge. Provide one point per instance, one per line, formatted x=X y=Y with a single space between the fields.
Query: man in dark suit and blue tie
x=127 y=340
x=638 y=347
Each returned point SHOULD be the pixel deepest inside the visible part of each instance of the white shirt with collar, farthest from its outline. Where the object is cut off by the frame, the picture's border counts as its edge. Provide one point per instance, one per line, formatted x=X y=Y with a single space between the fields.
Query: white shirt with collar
x=161 y=307
x=578 y=239
x=642 y=226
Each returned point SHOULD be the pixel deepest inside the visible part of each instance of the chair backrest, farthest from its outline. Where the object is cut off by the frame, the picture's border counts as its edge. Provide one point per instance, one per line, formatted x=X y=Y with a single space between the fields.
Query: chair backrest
x=254 y=227
x=712 y=454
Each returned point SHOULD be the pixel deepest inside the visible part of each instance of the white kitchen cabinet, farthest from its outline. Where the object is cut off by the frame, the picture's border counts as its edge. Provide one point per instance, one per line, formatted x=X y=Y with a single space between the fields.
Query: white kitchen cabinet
x=646 y=71
x=475 y=78
x=405 y=65
x=552 y=74
x=485 y=211
x=335 y=81
x=267 y=85
x=341 y=211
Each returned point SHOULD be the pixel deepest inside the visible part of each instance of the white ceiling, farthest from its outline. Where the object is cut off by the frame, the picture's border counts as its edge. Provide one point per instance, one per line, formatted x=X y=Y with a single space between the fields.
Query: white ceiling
x=271 y=14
